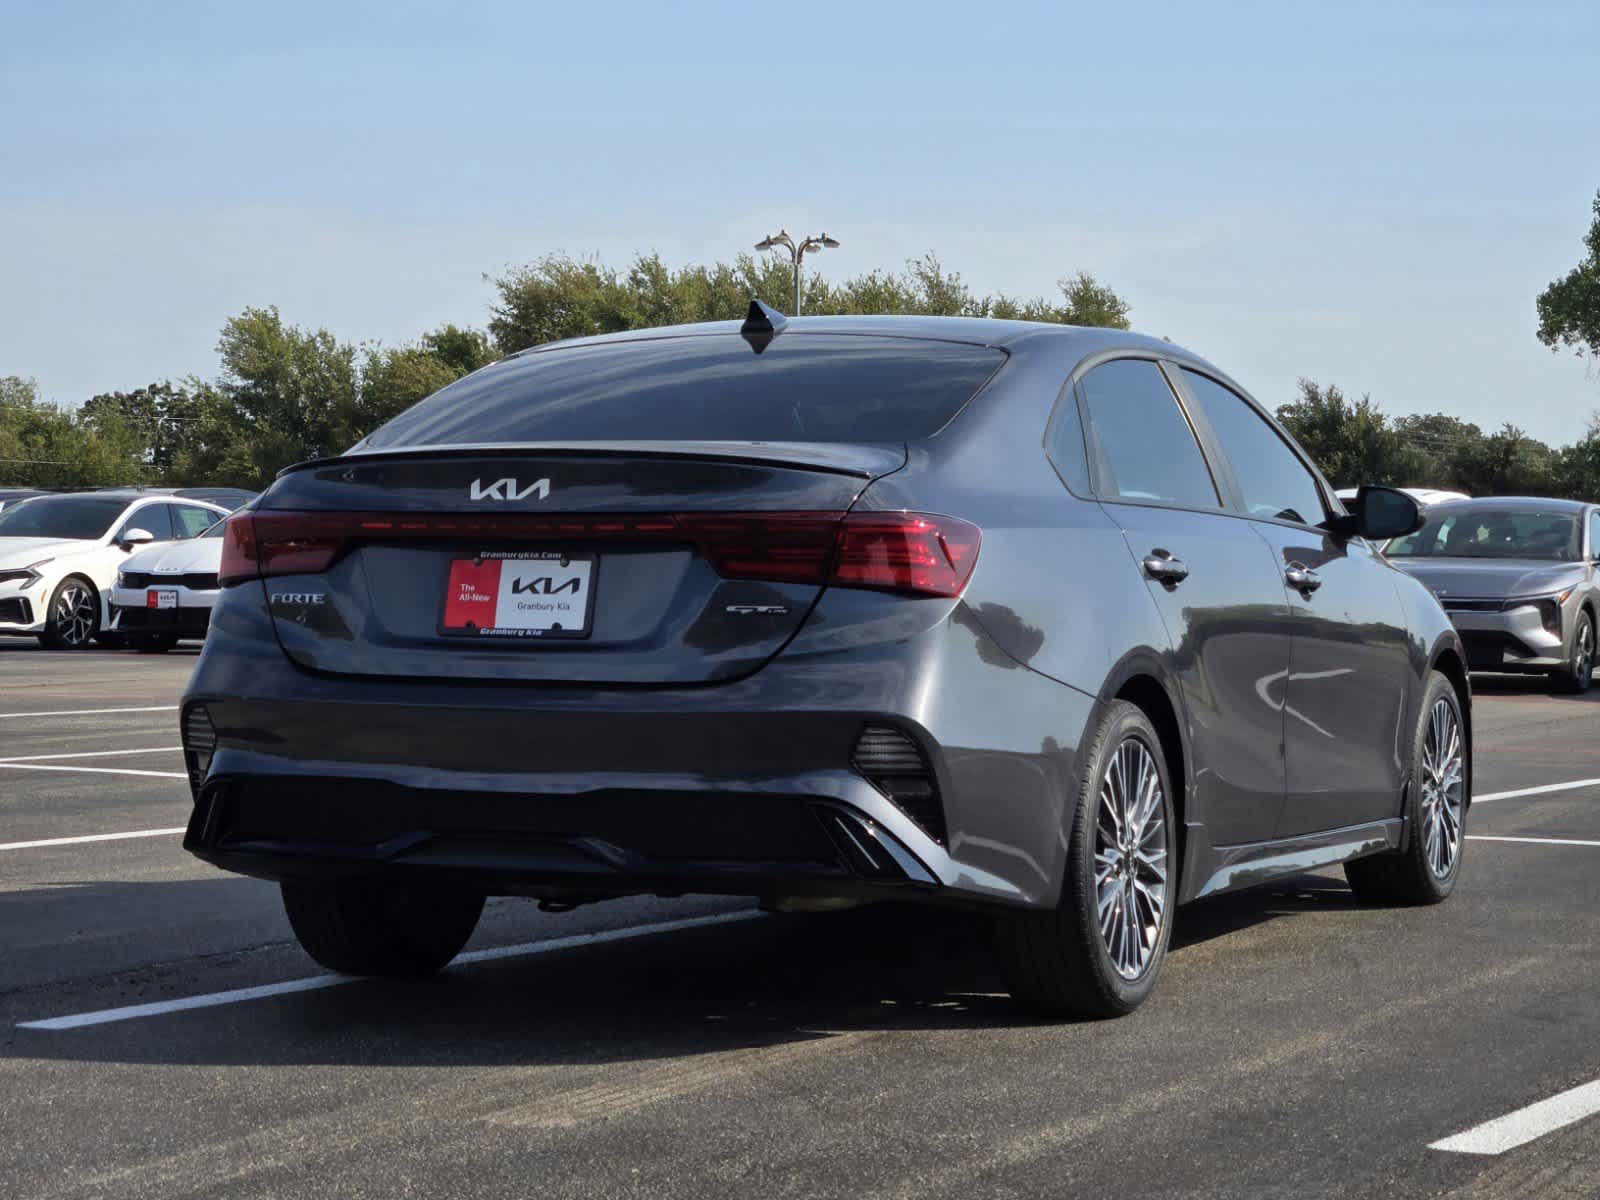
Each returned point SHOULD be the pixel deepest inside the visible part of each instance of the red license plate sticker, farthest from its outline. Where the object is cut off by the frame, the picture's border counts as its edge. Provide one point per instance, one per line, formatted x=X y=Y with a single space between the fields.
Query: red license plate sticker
x=519 y=594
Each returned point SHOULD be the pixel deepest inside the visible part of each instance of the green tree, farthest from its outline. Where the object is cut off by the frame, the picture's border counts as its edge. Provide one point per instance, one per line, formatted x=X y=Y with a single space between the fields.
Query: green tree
x=1569 y=309
x=558 y=297
x=285 y=394
x=167 y=418
x=1352 y=441
x=46 y=445
x=463 y=350
x=1509 y=464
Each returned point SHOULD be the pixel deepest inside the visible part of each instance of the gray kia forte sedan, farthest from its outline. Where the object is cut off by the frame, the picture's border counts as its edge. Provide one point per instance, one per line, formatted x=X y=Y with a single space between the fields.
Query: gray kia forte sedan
x=1517 y=576
x=1053 y=623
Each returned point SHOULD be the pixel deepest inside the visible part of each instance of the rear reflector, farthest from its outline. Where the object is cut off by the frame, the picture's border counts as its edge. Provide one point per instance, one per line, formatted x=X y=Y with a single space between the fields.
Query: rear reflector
x=912 y=553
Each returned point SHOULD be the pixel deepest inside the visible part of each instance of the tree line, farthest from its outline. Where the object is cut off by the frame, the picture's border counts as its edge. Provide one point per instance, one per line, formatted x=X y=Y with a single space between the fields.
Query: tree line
x=285 y=393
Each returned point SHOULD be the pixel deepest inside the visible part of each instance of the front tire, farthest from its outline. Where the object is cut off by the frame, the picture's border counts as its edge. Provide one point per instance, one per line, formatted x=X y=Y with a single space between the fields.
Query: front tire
x=1098 y=952
x=72 y=620
x=398 y=931
x=1425 y=872
x=1576 y=676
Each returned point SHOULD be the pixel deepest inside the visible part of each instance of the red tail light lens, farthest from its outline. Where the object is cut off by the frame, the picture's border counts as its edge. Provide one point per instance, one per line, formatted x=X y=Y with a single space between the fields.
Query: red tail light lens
x=238 y=550
x=777 y=547
x=907 y=552
x=912 y=553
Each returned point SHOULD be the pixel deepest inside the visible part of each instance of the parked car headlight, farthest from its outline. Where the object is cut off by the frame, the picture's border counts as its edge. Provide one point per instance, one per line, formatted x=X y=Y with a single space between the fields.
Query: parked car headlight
x=1548 y=608
x=27 y=576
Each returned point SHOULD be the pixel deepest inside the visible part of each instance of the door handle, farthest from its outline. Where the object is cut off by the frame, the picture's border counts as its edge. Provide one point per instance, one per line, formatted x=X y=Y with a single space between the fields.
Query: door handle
x=1162 y=567
x=1302 y=578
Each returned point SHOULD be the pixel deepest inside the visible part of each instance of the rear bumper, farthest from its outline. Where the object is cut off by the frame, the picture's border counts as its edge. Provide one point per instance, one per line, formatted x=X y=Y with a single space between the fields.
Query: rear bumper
x=606 y=843
x=734 y=788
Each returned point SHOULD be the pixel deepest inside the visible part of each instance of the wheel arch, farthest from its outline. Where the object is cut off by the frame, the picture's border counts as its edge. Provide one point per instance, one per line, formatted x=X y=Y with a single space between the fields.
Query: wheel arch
x=1141 y=682
x=1450 y=662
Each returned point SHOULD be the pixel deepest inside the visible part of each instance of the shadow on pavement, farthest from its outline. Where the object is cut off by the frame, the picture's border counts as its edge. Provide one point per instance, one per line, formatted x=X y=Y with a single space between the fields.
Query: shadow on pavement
x=771 y=980
x=1529 y=685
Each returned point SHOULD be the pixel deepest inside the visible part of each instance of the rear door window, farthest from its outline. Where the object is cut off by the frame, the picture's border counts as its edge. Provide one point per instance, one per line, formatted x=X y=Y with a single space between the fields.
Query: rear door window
x=153 y=518
x=193 y=520
x=714 y=387
x=1276 y=484
x=1142 y=445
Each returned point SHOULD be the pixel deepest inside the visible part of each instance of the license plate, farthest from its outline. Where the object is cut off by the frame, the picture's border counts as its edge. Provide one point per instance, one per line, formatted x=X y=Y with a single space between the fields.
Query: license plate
x=160 y=598
x=519 y=594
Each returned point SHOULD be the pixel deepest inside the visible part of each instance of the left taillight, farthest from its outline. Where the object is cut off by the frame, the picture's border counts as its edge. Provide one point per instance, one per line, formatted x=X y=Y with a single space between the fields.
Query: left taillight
x=238 y=550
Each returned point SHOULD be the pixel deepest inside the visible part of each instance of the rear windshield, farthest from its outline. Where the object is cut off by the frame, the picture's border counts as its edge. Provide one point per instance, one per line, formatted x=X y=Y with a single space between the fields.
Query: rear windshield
x=801 y=388
x=80 y=518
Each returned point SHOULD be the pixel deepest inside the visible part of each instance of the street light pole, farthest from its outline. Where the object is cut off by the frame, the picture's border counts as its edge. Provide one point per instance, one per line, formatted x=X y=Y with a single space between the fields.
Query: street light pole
x=797 y=253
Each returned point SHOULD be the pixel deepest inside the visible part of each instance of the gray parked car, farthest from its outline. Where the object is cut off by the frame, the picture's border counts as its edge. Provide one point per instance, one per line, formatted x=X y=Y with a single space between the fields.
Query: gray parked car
x=1054 y=623
x=1517 y=576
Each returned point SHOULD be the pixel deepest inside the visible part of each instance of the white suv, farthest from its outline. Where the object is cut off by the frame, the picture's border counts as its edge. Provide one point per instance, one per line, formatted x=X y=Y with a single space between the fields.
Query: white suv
x=59 y=556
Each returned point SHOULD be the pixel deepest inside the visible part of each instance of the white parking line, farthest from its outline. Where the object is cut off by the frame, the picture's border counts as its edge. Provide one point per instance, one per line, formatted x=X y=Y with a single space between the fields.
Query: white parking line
x=1537 y=791
x=1484 y=837
x=90 y=754
x=90 y=837
x=311 y=983
x=88 y=712
x=15 y=766
x=1526 y=1124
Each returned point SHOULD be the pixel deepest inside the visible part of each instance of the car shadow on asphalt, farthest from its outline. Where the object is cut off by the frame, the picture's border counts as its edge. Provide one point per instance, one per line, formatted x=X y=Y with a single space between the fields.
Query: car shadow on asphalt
x=1537 y=686
x=767 y=981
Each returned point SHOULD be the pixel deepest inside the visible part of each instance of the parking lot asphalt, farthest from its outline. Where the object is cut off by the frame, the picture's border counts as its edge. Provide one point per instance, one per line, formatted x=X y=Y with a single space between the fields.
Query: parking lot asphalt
x=1299 y=1043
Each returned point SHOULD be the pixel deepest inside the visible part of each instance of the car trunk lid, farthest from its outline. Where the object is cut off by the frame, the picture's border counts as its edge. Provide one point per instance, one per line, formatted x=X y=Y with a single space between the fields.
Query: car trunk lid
x=614 y=563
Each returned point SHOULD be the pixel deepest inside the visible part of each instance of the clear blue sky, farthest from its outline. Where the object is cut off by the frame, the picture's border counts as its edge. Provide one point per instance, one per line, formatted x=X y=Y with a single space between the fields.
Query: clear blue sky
x=1368 y=194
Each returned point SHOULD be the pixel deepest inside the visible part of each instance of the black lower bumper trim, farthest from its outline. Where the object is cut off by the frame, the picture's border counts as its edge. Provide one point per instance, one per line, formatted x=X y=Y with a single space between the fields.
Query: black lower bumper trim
x=614 y=842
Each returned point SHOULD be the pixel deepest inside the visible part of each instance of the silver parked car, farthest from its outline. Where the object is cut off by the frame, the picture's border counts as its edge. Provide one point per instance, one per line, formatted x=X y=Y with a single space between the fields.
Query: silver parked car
x=1517 y=577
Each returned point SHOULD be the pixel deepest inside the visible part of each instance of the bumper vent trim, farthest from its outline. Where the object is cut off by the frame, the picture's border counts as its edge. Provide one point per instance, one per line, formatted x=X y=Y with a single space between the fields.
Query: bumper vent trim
x=199 y=744
x=893 y=763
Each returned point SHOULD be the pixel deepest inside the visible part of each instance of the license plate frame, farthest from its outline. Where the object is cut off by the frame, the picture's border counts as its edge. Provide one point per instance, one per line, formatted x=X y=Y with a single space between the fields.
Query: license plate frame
x=479 y=586
x=161 y=599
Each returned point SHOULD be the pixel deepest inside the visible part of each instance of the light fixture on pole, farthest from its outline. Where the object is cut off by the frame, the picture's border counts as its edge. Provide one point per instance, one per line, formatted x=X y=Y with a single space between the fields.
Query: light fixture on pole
x=797 y=253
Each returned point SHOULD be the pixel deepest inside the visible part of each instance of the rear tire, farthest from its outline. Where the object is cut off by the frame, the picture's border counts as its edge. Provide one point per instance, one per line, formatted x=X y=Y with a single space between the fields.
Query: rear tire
x=1425 y=872
x=1579 y=671
x=398 y=931
x=1072 y=960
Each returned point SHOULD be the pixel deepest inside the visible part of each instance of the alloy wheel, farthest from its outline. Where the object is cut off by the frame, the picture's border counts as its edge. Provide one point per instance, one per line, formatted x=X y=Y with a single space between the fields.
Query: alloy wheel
x=1583 y=654
x=1443 y=789
x=74 y=615
x=1130 y=858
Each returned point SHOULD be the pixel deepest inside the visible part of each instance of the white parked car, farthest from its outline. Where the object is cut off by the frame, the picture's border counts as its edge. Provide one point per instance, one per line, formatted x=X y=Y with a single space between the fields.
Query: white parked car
x=59 y=556
x=165 y=592
x=1423 y=496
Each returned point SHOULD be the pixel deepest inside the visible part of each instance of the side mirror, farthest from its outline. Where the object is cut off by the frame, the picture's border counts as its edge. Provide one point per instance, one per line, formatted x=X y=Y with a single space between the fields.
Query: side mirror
x=136 y=537
x=1378 y=514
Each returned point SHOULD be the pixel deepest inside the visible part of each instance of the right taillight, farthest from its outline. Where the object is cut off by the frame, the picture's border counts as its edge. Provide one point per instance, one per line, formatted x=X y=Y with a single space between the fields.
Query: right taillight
x=906 y=552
